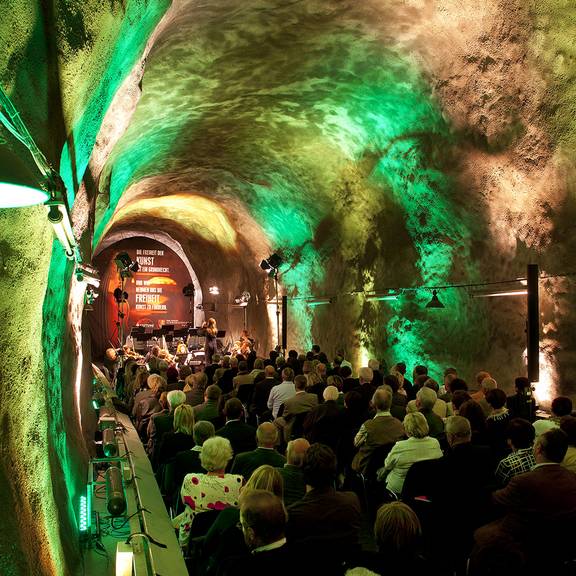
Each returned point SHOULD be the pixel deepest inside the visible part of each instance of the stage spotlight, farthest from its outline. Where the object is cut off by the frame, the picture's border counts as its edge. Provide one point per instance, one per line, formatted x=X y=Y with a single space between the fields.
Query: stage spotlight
x=126 y=265
x=115 y=500
x=188 y=290
x=120 y=295
x=214 y=290
x=272 y=263
x=434 y=301
x=244 y=298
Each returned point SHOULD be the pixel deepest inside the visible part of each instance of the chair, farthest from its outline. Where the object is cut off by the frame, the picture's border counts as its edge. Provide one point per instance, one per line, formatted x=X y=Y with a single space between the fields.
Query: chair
x=198 y=530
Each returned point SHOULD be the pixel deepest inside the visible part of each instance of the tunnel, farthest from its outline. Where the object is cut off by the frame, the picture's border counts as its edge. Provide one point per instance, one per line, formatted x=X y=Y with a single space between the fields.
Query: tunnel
x=382 y=150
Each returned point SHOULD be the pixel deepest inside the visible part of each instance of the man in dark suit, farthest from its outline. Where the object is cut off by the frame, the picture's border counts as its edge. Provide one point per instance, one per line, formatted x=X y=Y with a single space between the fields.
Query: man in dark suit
x=365 y=386
x=242 y=436
x=539 y=507
x=266 y=438
x=209 y=409
x=425 y=401
x=324 y=524
x=259 y=404
x=291 y=472
x=210 y=369
x=302 y=402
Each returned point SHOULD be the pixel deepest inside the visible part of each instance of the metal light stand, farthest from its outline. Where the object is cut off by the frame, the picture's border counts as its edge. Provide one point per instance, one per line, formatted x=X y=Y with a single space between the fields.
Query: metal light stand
x=279 y=345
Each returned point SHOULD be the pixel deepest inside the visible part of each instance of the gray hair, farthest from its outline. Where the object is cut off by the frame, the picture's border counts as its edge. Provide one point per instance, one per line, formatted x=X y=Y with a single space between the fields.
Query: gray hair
x=416 y=425
x=175 y=398
x=426 y=398
x=216 y=453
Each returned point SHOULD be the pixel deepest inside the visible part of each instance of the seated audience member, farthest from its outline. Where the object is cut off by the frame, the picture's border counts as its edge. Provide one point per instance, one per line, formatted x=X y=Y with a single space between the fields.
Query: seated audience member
x=365 y=386
x=219 y=372
x=441 y=408
x=520 y=436
x=291 y=472
x=188 y=461
x=181 y=437
x=140 y=382
x=398 y=535
x=224 y=541
x=353 y=416
x=460 y=482
x=163 y=422
x=146 y=402
x=479 y=378
x=171 y=378
x=324 y=423
x=183 y=372
x=458 y=398
x=214 y=490
x=539 y=507
x=473 y=412
x=419 y=446
x=263 y=523
x=448 y=375
x=195 y=387
x=348 y=382
x=568 y=425
x=243 y=378
x=242 y=436
x=522 y=404
x=210 y=370
x=301 y=403
x=561 y=406
x=267 y=439
x=480 y=396
x=210 y=408
x=280 y=393
x=381 y=430
x=497 y=423
x=377 y=376
x=262 y=387
x=399 y=370
x=226 y=381
x=425 y=402
x=399 y=400
x=324 y=524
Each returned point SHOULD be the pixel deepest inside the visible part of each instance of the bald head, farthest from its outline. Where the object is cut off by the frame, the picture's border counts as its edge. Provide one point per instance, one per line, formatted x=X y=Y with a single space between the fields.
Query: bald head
x=269 y=372
x=267 y=435
x=296 y=451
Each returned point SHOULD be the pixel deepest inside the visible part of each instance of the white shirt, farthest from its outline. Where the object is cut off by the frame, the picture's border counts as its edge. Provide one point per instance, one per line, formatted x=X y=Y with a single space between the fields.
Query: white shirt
x=404 y=454
x=279 y=394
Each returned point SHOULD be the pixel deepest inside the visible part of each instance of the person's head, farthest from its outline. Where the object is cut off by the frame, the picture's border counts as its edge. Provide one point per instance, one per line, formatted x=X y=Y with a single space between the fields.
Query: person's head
x=561 y=406
x=353 y=402
x=397 y=529
x=520 y=433
x=233 y=409
x=267 y=435
x=212 y=393
x=313 y=378
x=296 y=450
x=226 y=362
x=420 y=370
x=392 y=381
x=521 y=384
x=156 y=381
x=243 y=366
x=200 y=381
x=321 y=369
x=211 y=323
x=401 y=367
x=568 y=426
x=262 y=517
x=175 y=398
x=420 y=380
x=189 y=382
x=551 y=446
x=382 y=399
x=216 y=358
x=489 y=384
x=155 y=351
x=458 y=430
x=496 y=398
x=458 y=384
x=431 y=383
x=216 y=453
x=183 y=372
x=184 y=419
x=280 y=362
x=300 y=382
x=259 y=364
x=345 y=372
x=234 y=362
x=425 y=399
x=335 y=381
x=269 y=371
x=459 y=397
x=267 y=478
x=330 y=393
x=416 y=425
x=473 y=412
x=480 y=376
x=365 y=375
x=287 y=375
x=316 y=349
x=293 y=354
x=319 y=466
x=172 y=374
x=450 y=370
x=163 y=399
x=373 y=364
x=202 y=431
x=307 y=367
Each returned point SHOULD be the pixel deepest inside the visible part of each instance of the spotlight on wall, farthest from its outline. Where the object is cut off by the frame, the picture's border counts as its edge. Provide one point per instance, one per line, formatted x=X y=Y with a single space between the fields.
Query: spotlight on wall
x=120 y=295
x=214 y=290
x=434 y=301
x=243 y=299
x=271 y=264
x=109 y=443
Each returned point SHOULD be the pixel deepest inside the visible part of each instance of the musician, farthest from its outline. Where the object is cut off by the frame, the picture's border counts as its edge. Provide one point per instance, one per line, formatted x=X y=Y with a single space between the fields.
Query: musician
x=246 y=343
x=210 y=345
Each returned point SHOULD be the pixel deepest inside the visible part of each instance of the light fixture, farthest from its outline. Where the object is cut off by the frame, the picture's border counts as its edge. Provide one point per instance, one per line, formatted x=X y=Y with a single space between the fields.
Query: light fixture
x=85 y=514
x=434 y=301
x=375 y=297
x=320 y=302
x=18 y=187
x=115 y=499
x=243 y=299
x=120 y=295
x=125 y=265
x=124 y=559
x=59 y=218
x=109 y=443
x=498 y=294
x=88 y=274
x=189 y=290
x=214 y=290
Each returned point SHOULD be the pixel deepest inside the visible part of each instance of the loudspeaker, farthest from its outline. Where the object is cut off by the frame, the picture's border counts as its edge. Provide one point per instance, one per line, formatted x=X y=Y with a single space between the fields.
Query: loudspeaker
x=284 y=322
x=533 y=325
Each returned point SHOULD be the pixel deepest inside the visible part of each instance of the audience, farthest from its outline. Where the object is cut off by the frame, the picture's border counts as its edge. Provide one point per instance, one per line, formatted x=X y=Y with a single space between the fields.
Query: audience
x=282 y=392
x=561 y=406
x=299 y=405
x=497 y=423
x=520 y=436
x=522 y=404
x=181 y=437
x=292 y=473
x=568 y=426
x=242 y=436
